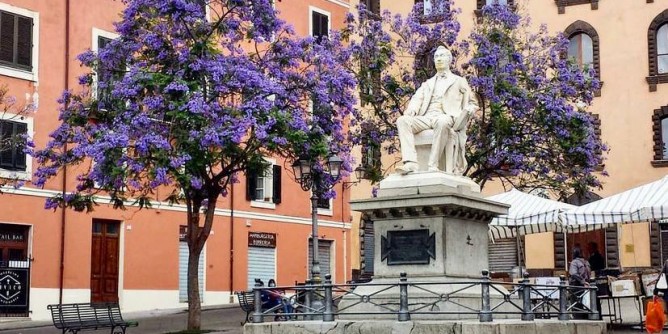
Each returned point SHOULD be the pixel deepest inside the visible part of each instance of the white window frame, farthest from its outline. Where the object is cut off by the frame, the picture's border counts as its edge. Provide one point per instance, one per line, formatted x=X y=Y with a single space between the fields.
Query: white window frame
x=14 y=174
x=14 y=72
x=95 y=48
x=311 y=10
x=327 y=212
x=267 y=186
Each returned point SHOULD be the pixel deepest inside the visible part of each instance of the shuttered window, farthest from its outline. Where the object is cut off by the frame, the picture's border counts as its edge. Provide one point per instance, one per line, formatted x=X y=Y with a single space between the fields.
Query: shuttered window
x=264 y=186
x=368 y=250
x=16 y=41
x=319 y=25
x=261 y=264
x=503 y=255
x=183 y=273
x=12 y=143
x=324 y=257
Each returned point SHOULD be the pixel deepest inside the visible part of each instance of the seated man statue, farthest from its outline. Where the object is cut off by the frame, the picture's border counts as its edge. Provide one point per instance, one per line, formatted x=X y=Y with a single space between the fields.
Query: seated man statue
x=443 y=103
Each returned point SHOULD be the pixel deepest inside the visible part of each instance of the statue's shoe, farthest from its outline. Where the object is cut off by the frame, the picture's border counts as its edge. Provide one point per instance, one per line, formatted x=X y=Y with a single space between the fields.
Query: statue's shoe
x=408 y=167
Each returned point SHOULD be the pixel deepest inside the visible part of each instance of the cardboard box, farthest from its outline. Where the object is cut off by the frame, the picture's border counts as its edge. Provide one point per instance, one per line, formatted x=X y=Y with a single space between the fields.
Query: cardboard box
x=621 y=288
x=648 y=283
x=551 y=291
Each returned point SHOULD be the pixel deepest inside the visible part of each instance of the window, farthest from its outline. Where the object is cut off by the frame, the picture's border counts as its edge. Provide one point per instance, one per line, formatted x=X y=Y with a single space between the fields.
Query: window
x=319 y=23
x=324 y=206
x=662 y=49
x=562 y=4
x=657 y=45
x=660 y=136
x=19 y=37
x=104 y=77
x=584 y=46
x=482 y=3
x=433 y=10
x=372 y=6
x=12 y=143
x=581 y=50
x=263 y=188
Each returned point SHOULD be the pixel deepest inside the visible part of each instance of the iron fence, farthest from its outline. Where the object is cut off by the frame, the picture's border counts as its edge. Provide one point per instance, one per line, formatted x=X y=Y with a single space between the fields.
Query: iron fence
x=524 y=300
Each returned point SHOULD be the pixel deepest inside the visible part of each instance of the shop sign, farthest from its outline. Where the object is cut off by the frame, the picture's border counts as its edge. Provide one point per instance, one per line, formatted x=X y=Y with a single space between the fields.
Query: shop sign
x=12 y=236
x=13 y=290
x=262 y=239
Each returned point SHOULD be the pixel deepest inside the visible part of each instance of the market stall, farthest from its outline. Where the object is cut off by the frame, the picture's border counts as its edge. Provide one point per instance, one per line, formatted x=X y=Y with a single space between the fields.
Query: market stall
x=528 y=214
x=633 y=214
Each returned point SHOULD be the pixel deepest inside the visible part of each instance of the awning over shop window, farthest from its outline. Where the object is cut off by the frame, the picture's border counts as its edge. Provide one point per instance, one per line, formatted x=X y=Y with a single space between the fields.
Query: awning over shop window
x=643 y=203
x=527 y=214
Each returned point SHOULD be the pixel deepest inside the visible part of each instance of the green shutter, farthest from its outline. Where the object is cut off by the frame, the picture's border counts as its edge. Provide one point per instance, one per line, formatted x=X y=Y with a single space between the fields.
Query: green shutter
x=7 y=37
x=276 y=186
x=24 y=42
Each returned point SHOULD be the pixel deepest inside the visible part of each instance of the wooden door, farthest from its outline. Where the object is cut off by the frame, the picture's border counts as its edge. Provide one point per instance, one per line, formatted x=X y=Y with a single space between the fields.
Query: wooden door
x=104 y=261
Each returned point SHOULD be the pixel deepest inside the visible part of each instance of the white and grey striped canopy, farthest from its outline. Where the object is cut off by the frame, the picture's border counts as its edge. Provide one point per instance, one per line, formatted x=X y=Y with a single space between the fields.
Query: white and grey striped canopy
x=527 y=214
x=639 y=204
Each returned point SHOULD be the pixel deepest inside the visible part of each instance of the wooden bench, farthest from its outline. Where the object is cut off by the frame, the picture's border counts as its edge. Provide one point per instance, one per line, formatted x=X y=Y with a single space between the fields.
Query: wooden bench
x=89 y=316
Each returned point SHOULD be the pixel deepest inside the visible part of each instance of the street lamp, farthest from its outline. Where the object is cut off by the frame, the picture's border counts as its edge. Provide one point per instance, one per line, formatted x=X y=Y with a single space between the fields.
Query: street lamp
x=310 y=180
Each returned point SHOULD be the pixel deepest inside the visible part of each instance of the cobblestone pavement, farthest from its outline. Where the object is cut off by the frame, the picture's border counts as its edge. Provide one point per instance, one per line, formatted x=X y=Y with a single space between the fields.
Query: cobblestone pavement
x=223 y=320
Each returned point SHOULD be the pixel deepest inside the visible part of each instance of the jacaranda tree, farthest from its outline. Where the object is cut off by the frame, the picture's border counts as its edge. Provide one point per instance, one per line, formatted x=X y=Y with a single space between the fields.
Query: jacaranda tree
x=188 y=96
x=532 y=130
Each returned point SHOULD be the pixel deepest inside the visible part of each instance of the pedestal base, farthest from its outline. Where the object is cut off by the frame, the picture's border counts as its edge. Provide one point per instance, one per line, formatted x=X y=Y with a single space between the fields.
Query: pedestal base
x=427 y=327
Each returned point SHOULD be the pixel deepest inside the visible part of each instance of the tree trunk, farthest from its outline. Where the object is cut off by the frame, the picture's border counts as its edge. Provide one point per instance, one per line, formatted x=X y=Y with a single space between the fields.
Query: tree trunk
x=194 y=301
x=197 y=237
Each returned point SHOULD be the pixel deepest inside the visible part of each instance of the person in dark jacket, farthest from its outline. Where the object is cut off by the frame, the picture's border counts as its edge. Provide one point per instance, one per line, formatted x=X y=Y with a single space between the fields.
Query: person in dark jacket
x=596 y=260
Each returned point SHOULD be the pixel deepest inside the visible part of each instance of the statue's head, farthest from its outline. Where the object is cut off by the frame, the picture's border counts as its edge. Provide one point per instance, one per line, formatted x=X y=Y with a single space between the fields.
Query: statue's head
x=442 y=58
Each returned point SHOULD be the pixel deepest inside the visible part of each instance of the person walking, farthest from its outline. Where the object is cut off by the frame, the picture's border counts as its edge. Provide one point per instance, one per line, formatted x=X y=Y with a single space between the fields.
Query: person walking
x=579 y=273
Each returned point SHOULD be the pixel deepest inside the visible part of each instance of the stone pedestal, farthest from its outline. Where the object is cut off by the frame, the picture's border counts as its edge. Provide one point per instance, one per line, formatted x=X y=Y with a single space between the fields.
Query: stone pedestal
x=434 y=227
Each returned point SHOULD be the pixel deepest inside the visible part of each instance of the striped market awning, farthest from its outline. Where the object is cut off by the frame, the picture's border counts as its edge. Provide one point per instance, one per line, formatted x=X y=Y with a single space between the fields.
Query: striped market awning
x=640 y=204
x=527 y=214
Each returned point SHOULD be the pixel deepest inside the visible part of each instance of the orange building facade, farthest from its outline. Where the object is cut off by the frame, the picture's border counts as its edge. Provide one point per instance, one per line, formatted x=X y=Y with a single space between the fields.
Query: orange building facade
x=137 y=257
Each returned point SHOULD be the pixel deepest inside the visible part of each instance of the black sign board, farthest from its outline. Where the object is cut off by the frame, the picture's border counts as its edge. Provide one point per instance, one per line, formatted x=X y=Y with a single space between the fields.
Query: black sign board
x=14 y=290
x=262 y=239
x=408 y=247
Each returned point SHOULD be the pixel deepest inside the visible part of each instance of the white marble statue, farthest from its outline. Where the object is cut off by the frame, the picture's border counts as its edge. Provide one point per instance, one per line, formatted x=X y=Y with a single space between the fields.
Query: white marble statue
x=444 y=103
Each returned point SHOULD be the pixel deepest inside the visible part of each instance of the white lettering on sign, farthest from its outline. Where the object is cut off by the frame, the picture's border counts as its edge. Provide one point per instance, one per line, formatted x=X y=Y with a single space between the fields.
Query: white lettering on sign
x=262 y=239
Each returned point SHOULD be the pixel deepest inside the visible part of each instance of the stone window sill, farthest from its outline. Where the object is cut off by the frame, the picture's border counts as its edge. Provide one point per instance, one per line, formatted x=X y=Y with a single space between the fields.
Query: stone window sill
x=660 y=163
x=562 y=4
x=654 y=80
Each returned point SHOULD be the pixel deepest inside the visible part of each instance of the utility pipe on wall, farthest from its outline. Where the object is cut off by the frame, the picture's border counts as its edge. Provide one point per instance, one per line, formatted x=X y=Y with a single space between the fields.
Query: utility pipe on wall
x=64 y=184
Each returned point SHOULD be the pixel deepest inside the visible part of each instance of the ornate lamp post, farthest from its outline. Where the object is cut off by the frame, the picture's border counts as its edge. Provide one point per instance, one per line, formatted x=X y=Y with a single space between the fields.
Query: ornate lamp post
x=311 y=180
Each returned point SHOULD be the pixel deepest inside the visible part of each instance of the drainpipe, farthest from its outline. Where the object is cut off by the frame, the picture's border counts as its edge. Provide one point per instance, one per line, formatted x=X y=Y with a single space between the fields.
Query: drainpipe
x=64 y=185
x=231 y=242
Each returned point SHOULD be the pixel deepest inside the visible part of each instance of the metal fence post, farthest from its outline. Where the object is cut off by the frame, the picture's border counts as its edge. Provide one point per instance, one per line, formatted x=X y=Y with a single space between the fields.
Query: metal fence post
x=328 y=315
x=404 y=315
x=257 y=300
x=527 y=312
x=308 y=299
x=593 y=301
x=563 y=298
x=486 y=311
